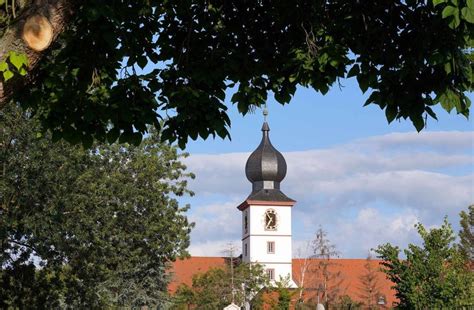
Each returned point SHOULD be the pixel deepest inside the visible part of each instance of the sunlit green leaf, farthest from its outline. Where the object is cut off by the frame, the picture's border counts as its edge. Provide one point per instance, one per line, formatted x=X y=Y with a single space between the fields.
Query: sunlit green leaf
x=18 y=60
x=7 y=75
x=468 y=14
x=3 y=66
x=437 y=2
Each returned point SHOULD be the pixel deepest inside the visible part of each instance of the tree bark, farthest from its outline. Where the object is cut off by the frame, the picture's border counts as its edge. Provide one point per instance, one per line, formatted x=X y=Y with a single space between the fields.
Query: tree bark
x=57 y=13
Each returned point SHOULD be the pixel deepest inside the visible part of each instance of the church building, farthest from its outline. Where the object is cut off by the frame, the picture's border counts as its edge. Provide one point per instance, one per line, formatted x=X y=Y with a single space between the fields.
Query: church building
x=267 y=237
x=266 y=213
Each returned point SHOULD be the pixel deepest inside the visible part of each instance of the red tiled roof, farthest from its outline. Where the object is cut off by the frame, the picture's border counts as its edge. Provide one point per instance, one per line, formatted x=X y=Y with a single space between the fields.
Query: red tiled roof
x=183 y=270
x=351 y=272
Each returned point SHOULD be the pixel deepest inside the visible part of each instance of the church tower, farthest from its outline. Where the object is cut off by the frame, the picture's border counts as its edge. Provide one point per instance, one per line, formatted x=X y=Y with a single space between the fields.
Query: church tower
x=266 y=213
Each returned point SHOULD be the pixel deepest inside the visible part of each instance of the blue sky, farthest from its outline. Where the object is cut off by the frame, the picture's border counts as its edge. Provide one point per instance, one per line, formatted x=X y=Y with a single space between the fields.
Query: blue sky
x=362 y=180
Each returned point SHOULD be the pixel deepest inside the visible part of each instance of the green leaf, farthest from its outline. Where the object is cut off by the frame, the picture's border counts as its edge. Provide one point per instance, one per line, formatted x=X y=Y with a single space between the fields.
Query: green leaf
x=466 y=105
x=438 y=2
x=113 y=134
x=363 y=82
x=431 y=113
x=125 y=137
x=449 y=11
x=136 y=138
x=373 y=98
x=468 y=14
x=7 y=75
x=3 y=66
x=391 y=112
x=447 y=67
x=142 y=61
x=18 y=60
x=450 y=100
x=446 y=103
x=455 y=22
x=182 y=144
x=353 y=71
x=323 y=88
x=453 y=12
x=470 y=4
x=418 y=122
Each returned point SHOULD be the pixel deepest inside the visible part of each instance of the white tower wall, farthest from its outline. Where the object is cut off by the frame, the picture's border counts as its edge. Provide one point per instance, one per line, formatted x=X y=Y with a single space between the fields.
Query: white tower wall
x=255 y=239
x=266 y=213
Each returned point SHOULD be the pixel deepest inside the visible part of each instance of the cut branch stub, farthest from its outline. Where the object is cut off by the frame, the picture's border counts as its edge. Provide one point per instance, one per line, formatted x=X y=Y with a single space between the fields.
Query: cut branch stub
x=37 y=32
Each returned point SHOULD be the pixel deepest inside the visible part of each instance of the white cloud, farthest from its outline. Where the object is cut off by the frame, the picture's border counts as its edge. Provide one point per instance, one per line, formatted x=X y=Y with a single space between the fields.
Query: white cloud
x=216 y=221
x=371 y=228
x=214 y=248
x=444 y=141
x=374 y=188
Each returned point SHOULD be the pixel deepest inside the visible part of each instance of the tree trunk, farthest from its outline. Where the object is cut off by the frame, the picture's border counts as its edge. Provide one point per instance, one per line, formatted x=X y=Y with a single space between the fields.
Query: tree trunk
x=46 y=19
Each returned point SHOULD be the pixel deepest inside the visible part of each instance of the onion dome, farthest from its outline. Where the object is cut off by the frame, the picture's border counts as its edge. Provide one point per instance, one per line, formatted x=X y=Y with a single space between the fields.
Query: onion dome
x=265 y=169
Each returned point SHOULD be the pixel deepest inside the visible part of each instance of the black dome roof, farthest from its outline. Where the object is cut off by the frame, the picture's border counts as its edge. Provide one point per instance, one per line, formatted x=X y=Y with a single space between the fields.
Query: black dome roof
x=266 y=166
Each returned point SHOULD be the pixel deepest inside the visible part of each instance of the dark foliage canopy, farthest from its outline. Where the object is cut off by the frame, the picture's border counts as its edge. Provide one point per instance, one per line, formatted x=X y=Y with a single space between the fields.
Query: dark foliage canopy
x=122 y=65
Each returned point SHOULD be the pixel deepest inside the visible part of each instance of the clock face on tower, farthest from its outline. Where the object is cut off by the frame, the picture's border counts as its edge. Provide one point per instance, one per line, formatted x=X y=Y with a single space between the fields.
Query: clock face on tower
x=270 y=220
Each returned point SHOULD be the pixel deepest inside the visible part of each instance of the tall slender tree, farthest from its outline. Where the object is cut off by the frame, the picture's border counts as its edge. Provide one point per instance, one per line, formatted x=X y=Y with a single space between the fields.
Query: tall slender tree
x=326 y=281
x=466 y=234
x=370 y=288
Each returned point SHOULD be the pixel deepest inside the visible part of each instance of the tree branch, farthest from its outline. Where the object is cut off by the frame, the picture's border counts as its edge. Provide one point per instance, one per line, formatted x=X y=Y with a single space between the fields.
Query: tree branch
x=57 y=13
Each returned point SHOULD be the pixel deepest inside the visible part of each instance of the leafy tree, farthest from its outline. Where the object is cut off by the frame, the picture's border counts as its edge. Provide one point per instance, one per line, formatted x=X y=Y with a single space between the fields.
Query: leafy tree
x=284 y=298
x=101 y=224
x=467 y=233
x=213 y=289
x=433 y=276
x=370 y=288
x=410 y=55
x=279 y=295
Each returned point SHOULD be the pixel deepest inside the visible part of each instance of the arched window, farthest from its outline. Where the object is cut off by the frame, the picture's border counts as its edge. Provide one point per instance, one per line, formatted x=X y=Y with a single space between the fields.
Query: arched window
x=270 y=220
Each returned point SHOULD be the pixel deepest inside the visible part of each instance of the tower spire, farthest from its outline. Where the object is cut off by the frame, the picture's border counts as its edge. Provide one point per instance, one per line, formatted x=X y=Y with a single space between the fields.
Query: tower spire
x=266 y=213
x=266 y=168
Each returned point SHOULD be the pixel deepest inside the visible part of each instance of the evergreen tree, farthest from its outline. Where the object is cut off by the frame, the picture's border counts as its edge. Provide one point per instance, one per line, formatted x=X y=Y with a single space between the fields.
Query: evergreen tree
x=370 y=288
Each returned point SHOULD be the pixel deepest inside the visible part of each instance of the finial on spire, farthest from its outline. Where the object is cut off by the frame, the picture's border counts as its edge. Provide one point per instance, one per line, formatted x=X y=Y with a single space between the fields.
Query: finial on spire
x=265 y=112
